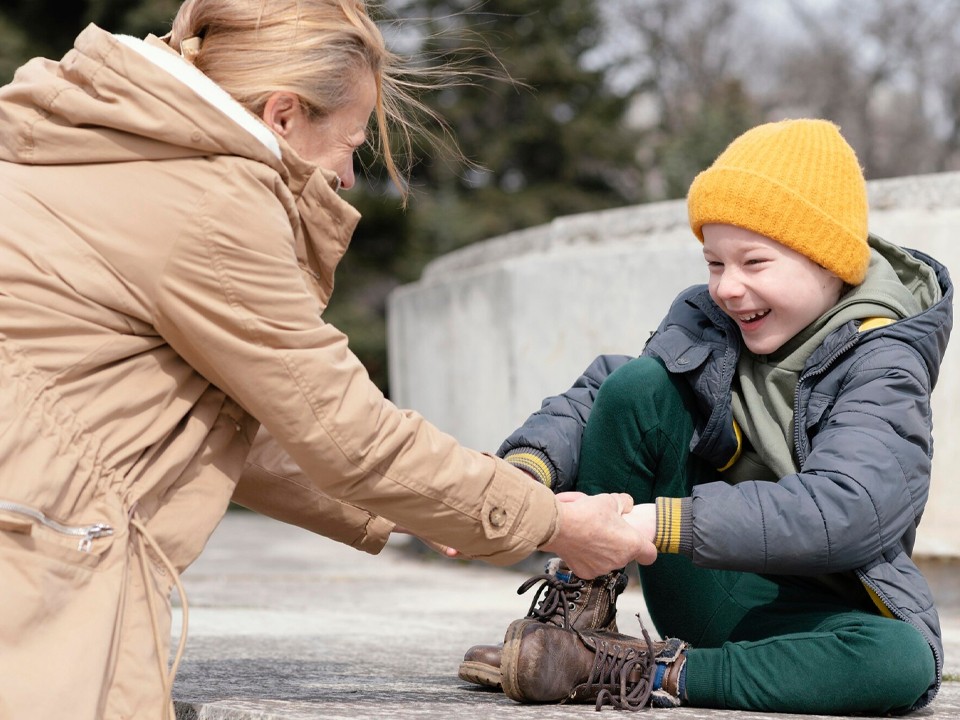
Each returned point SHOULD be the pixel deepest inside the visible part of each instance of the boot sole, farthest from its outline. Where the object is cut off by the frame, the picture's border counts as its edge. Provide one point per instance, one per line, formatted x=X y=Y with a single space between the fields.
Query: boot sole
x=508 y=661
x=480 y=673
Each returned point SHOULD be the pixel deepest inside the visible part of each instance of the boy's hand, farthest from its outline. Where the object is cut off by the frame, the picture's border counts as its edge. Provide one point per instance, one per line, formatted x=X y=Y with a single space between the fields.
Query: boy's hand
x=444 y=550
x=644 y=518
x=594 y=537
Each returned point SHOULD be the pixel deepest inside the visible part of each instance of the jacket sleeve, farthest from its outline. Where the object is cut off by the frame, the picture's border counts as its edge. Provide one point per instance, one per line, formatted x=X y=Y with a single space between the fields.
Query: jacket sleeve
x=860 y=491
x=547 y=445
x=274 y=485
x=233 y=301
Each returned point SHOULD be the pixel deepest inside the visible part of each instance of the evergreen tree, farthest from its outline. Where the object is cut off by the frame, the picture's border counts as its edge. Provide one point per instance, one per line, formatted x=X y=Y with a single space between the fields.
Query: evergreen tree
x=550 y=141
x=47 y=28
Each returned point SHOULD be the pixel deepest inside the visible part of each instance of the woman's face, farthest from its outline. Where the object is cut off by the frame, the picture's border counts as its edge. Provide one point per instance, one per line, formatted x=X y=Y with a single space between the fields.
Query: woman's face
x=329 y=141
x=769 y=290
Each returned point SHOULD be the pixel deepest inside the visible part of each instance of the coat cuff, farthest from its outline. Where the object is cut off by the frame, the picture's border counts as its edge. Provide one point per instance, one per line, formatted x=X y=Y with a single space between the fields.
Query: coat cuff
x=674 y=526
x=534 y=462
x=375 y=535
x=522 y=514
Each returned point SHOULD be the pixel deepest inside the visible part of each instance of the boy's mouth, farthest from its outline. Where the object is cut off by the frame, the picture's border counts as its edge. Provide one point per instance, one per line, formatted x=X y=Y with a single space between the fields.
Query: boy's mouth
x=752 y=317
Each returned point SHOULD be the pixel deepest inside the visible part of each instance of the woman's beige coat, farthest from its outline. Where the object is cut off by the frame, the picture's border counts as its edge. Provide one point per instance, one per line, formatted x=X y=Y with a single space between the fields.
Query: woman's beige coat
x=164 y=264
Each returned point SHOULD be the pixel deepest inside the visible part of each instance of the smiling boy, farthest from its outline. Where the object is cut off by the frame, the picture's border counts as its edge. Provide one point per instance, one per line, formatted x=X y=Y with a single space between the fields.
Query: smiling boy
x=776 y=436
x=748 y=277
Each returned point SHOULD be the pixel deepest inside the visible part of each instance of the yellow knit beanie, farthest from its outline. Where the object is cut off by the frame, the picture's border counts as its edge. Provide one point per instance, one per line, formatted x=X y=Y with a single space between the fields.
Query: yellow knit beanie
x=797 y=182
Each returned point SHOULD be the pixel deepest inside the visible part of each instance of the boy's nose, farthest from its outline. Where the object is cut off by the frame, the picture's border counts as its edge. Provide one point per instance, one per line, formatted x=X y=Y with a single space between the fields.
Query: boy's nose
x=729 y=286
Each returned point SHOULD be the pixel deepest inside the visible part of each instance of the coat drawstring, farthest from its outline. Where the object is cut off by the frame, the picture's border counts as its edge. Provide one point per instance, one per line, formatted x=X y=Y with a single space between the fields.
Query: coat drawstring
x=166 y=676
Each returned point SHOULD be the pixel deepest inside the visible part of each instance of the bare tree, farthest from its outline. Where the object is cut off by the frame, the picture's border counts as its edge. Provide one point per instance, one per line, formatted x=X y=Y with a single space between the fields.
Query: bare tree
x=880 y=69
x=702 y=70
x=679 y=61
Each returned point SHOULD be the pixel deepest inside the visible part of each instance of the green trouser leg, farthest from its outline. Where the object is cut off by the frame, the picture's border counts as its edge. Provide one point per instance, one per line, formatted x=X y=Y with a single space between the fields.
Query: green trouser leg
x=764 y=643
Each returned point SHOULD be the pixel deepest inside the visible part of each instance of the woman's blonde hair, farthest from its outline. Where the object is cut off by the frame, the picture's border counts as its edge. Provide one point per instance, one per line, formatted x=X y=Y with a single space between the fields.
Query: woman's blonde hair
x=316 y=49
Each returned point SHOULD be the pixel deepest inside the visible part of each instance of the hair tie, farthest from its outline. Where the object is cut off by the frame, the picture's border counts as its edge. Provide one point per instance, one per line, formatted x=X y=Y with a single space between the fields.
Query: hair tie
x=190 y=48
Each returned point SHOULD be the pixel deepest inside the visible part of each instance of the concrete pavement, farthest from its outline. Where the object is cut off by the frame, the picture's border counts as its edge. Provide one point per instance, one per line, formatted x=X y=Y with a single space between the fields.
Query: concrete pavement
x=284 y=625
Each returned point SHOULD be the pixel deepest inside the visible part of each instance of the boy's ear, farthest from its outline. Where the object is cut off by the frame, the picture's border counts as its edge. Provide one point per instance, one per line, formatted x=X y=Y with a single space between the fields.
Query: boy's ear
x=282 y=112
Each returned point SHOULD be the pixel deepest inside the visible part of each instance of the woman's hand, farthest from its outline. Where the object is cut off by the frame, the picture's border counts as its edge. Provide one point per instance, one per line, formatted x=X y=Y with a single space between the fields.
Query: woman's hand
x=594 y=536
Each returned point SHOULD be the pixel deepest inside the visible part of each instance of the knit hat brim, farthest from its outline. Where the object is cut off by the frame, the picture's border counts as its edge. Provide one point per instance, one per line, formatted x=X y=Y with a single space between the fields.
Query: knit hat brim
x=728 y=195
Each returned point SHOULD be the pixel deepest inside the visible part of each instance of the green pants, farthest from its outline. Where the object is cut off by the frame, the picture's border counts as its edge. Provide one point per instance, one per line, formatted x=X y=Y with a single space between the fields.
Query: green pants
x=771 y=643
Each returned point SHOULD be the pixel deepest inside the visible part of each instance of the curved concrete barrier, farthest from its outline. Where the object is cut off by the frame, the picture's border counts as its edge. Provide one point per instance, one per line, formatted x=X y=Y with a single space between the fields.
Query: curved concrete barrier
x=492 y=329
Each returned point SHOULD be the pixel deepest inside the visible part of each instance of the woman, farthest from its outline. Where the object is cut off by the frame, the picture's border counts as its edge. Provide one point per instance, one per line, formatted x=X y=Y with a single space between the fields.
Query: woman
x=170 y=230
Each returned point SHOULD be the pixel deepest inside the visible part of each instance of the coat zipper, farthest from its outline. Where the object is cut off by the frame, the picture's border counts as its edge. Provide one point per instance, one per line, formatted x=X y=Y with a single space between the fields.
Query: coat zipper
x=900 y=615
x=86 y=533
x=799 y=450
x=801 y=457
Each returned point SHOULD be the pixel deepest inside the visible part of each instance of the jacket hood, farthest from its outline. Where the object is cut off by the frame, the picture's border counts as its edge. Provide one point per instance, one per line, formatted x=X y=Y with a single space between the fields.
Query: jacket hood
x=925 y=283
x=898 y=284
x=116 y=98
x=929 y=330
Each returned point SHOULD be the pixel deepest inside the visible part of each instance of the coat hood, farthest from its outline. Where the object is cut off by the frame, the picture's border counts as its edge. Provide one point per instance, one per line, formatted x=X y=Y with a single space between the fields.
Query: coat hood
x=925 y=282
x=116 y=98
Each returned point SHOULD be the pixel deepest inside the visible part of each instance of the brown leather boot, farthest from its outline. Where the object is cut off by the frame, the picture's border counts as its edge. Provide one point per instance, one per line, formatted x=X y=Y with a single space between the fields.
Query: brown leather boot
x=565 y=601
x=542 y=662
x=481 y=665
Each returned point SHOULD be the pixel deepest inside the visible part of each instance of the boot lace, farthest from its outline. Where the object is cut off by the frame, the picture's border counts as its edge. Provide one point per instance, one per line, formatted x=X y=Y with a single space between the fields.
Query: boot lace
x=557 y=596
x=622 y=676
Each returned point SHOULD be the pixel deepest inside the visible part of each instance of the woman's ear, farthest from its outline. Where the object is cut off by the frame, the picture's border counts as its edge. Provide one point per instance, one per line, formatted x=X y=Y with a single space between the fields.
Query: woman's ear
x=282 y=112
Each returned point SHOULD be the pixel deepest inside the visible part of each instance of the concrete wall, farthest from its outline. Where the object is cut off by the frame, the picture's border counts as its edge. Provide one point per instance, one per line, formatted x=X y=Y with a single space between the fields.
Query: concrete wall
x=492 y=329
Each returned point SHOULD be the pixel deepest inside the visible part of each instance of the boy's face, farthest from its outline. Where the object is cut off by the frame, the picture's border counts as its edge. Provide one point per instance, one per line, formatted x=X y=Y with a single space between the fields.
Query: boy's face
x=769 y=290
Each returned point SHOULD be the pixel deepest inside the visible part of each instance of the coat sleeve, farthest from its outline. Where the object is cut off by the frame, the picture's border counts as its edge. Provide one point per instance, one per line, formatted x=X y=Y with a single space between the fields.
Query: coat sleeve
x=860 y=491
x=272 y=484
x=231 y=299
x=548 y=444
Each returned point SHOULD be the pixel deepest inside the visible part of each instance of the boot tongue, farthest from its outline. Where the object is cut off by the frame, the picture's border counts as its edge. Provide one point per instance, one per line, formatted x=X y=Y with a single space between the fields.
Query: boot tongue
x=637 y=673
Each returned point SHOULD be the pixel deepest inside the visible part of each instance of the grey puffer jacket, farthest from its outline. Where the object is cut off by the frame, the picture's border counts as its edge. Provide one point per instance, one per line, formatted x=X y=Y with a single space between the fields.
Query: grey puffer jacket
x=863 y=440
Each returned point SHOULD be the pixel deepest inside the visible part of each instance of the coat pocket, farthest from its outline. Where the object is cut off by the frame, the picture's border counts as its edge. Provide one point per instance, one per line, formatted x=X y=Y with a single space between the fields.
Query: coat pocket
x=61 y=593
x=680 y=351
x=818 y=409
x=71 y=542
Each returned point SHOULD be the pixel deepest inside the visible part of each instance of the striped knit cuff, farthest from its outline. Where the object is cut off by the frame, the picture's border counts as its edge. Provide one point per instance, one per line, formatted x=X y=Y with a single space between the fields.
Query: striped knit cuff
x=674 y=531
x=532 y=461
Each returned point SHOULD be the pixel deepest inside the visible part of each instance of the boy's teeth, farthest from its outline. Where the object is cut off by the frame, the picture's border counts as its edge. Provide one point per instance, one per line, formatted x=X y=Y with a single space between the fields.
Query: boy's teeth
x=754 y=316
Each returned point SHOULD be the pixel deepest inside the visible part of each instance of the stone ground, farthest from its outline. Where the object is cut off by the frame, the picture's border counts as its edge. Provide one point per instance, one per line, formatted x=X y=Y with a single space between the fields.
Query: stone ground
x=284 y=625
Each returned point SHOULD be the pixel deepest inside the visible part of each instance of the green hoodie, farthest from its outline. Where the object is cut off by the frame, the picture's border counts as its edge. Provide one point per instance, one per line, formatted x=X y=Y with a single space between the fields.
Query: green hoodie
x=896 y=286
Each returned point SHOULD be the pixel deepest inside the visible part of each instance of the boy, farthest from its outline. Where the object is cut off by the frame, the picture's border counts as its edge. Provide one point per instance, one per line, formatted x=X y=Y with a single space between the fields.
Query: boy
x=775 y=435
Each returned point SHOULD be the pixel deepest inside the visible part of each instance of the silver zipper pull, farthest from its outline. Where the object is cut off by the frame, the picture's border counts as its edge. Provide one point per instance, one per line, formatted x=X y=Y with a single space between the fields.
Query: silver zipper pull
x=86 y=533
x=92 y=532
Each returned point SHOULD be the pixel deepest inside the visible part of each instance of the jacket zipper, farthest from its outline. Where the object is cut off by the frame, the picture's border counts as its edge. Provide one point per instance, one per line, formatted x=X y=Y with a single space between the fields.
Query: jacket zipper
x=900 y=615
x=801 y=457
x=86 y=534
x=814 y=372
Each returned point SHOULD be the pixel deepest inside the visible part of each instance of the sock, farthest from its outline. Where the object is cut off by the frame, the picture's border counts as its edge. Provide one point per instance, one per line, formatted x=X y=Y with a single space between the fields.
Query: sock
x=658 y=678
x=666 y=664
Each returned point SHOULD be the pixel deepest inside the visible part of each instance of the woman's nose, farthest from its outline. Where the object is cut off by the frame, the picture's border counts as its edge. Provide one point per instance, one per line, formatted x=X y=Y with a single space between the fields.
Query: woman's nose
x=348 y=179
